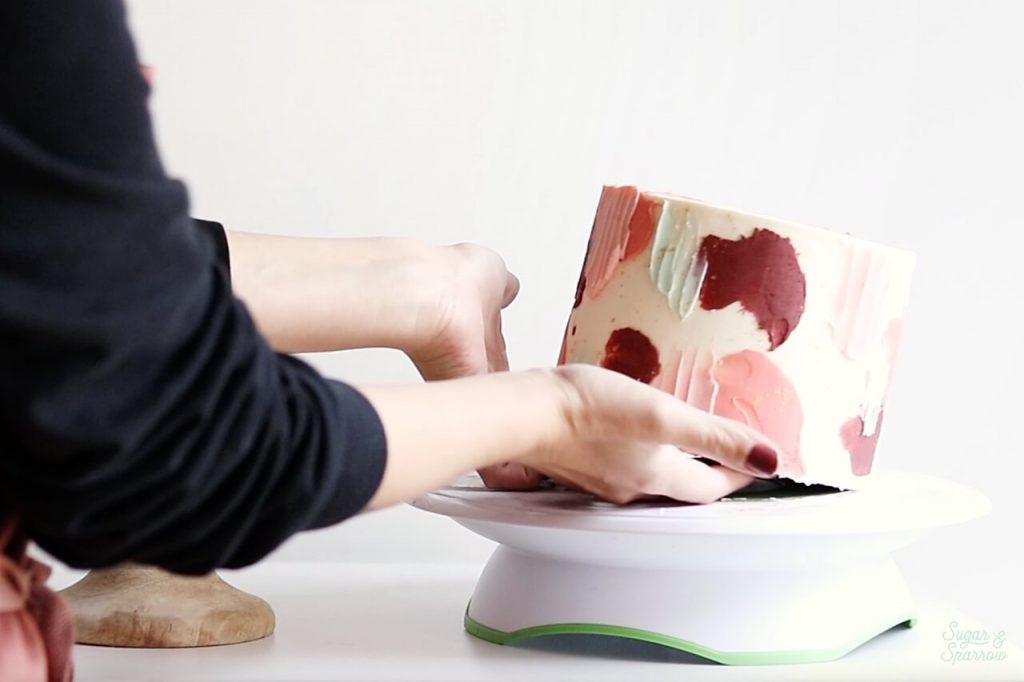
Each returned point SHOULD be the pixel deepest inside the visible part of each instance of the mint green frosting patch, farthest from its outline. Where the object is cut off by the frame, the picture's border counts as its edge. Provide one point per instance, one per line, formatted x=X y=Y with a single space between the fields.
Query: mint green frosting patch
x=676 y=267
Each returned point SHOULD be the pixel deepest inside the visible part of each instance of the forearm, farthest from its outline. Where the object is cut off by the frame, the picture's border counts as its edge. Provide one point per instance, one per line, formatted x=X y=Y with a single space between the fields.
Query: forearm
x=310 y=294
x=261 y=255
x=437 y=431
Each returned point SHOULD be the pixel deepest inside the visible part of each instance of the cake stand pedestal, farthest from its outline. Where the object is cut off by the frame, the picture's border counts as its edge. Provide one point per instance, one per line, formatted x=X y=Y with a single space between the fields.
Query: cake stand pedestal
x=141 y=606
x=744 y=580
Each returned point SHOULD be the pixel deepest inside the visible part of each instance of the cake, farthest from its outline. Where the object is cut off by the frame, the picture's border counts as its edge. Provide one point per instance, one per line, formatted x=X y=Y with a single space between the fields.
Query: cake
x=788 y=328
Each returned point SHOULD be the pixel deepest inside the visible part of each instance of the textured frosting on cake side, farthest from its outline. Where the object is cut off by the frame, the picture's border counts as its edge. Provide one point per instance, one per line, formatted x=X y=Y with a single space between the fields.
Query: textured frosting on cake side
x=788 y=328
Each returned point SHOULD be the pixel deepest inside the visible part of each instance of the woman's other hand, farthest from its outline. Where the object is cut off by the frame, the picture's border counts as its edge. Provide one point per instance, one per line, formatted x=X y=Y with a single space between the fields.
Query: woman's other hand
x=441 y=305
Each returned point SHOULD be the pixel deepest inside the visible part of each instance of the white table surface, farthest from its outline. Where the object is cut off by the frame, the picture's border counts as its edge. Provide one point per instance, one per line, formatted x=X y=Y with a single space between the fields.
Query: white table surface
x=404 y=622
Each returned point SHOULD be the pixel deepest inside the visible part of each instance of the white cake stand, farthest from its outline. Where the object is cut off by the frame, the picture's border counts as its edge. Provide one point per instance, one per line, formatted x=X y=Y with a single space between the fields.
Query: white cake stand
x=742 y=581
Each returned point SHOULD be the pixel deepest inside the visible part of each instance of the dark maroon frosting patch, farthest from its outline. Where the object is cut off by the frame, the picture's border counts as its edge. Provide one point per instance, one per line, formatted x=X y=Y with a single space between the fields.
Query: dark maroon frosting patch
x=762 y=273
x=581 y=285
x=631 y=353
x=860 y=447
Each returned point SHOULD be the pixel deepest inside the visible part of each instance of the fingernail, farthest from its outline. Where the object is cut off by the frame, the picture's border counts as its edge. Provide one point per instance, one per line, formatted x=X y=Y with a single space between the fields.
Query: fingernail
x=762 y=460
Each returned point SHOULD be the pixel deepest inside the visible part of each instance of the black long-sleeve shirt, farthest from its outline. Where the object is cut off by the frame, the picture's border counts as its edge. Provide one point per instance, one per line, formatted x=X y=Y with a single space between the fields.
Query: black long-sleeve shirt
x=142 y=417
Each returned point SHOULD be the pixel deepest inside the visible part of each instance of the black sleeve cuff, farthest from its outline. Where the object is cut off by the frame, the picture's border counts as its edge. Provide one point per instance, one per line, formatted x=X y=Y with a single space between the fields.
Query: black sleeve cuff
x=214 y=231
x=359 y=427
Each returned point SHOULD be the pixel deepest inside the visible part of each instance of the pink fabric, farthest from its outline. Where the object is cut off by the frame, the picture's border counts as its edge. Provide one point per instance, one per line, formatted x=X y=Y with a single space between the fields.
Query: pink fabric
x=36 y=626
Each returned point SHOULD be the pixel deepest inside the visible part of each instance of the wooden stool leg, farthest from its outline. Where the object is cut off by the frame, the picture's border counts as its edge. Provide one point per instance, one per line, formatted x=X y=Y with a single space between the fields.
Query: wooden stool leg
x=141 y=606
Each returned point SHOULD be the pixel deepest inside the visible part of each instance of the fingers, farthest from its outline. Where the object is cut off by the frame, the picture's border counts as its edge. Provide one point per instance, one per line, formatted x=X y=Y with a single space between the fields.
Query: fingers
x=689 y=480
x=624 y=471
x=510 y=476
x=613 y=406
x=511 y=290
x=497 y=352
x=726 y=441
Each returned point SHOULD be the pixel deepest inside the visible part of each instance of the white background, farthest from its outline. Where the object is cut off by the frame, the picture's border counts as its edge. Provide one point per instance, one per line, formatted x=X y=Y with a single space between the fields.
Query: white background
x=498 y=122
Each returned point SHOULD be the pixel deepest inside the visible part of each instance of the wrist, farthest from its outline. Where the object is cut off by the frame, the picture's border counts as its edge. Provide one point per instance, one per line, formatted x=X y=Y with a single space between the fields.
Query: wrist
x=551 y=414
x=558 y=398
x=438 y=431
x=432 y=321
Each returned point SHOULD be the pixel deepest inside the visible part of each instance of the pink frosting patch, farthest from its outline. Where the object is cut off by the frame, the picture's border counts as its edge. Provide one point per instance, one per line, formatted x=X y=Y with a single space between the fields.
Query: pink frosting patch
x=754 y=391
x=623 y=228
x=609 y=236
x=857 y=325
x=893 y=335
x=860 y=447
x=687 y=375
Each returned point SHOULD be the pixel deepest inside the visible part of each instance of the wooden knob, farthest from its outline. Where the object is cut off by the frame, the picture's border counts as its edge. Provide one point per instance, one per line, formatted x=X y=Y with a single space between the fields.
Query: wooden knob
x=140 y=606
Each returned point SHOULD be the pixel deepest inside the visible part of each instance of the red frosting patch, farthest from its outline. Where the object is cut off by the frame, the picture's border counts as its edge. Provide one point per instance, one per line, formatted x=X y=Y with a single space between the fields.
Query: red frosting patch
x=860 y=447
x=762 y=273
x=641 y=226
x=631 y=353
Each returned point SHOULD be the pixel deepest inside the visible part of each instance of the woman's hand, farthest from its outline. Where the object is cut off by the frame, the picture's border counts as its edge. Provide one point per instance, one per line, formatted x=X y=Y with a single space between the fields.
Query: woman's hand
x=441 y=305
x=625 y=440
x=460 y=313
x=462 y=335
x=586 y=426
